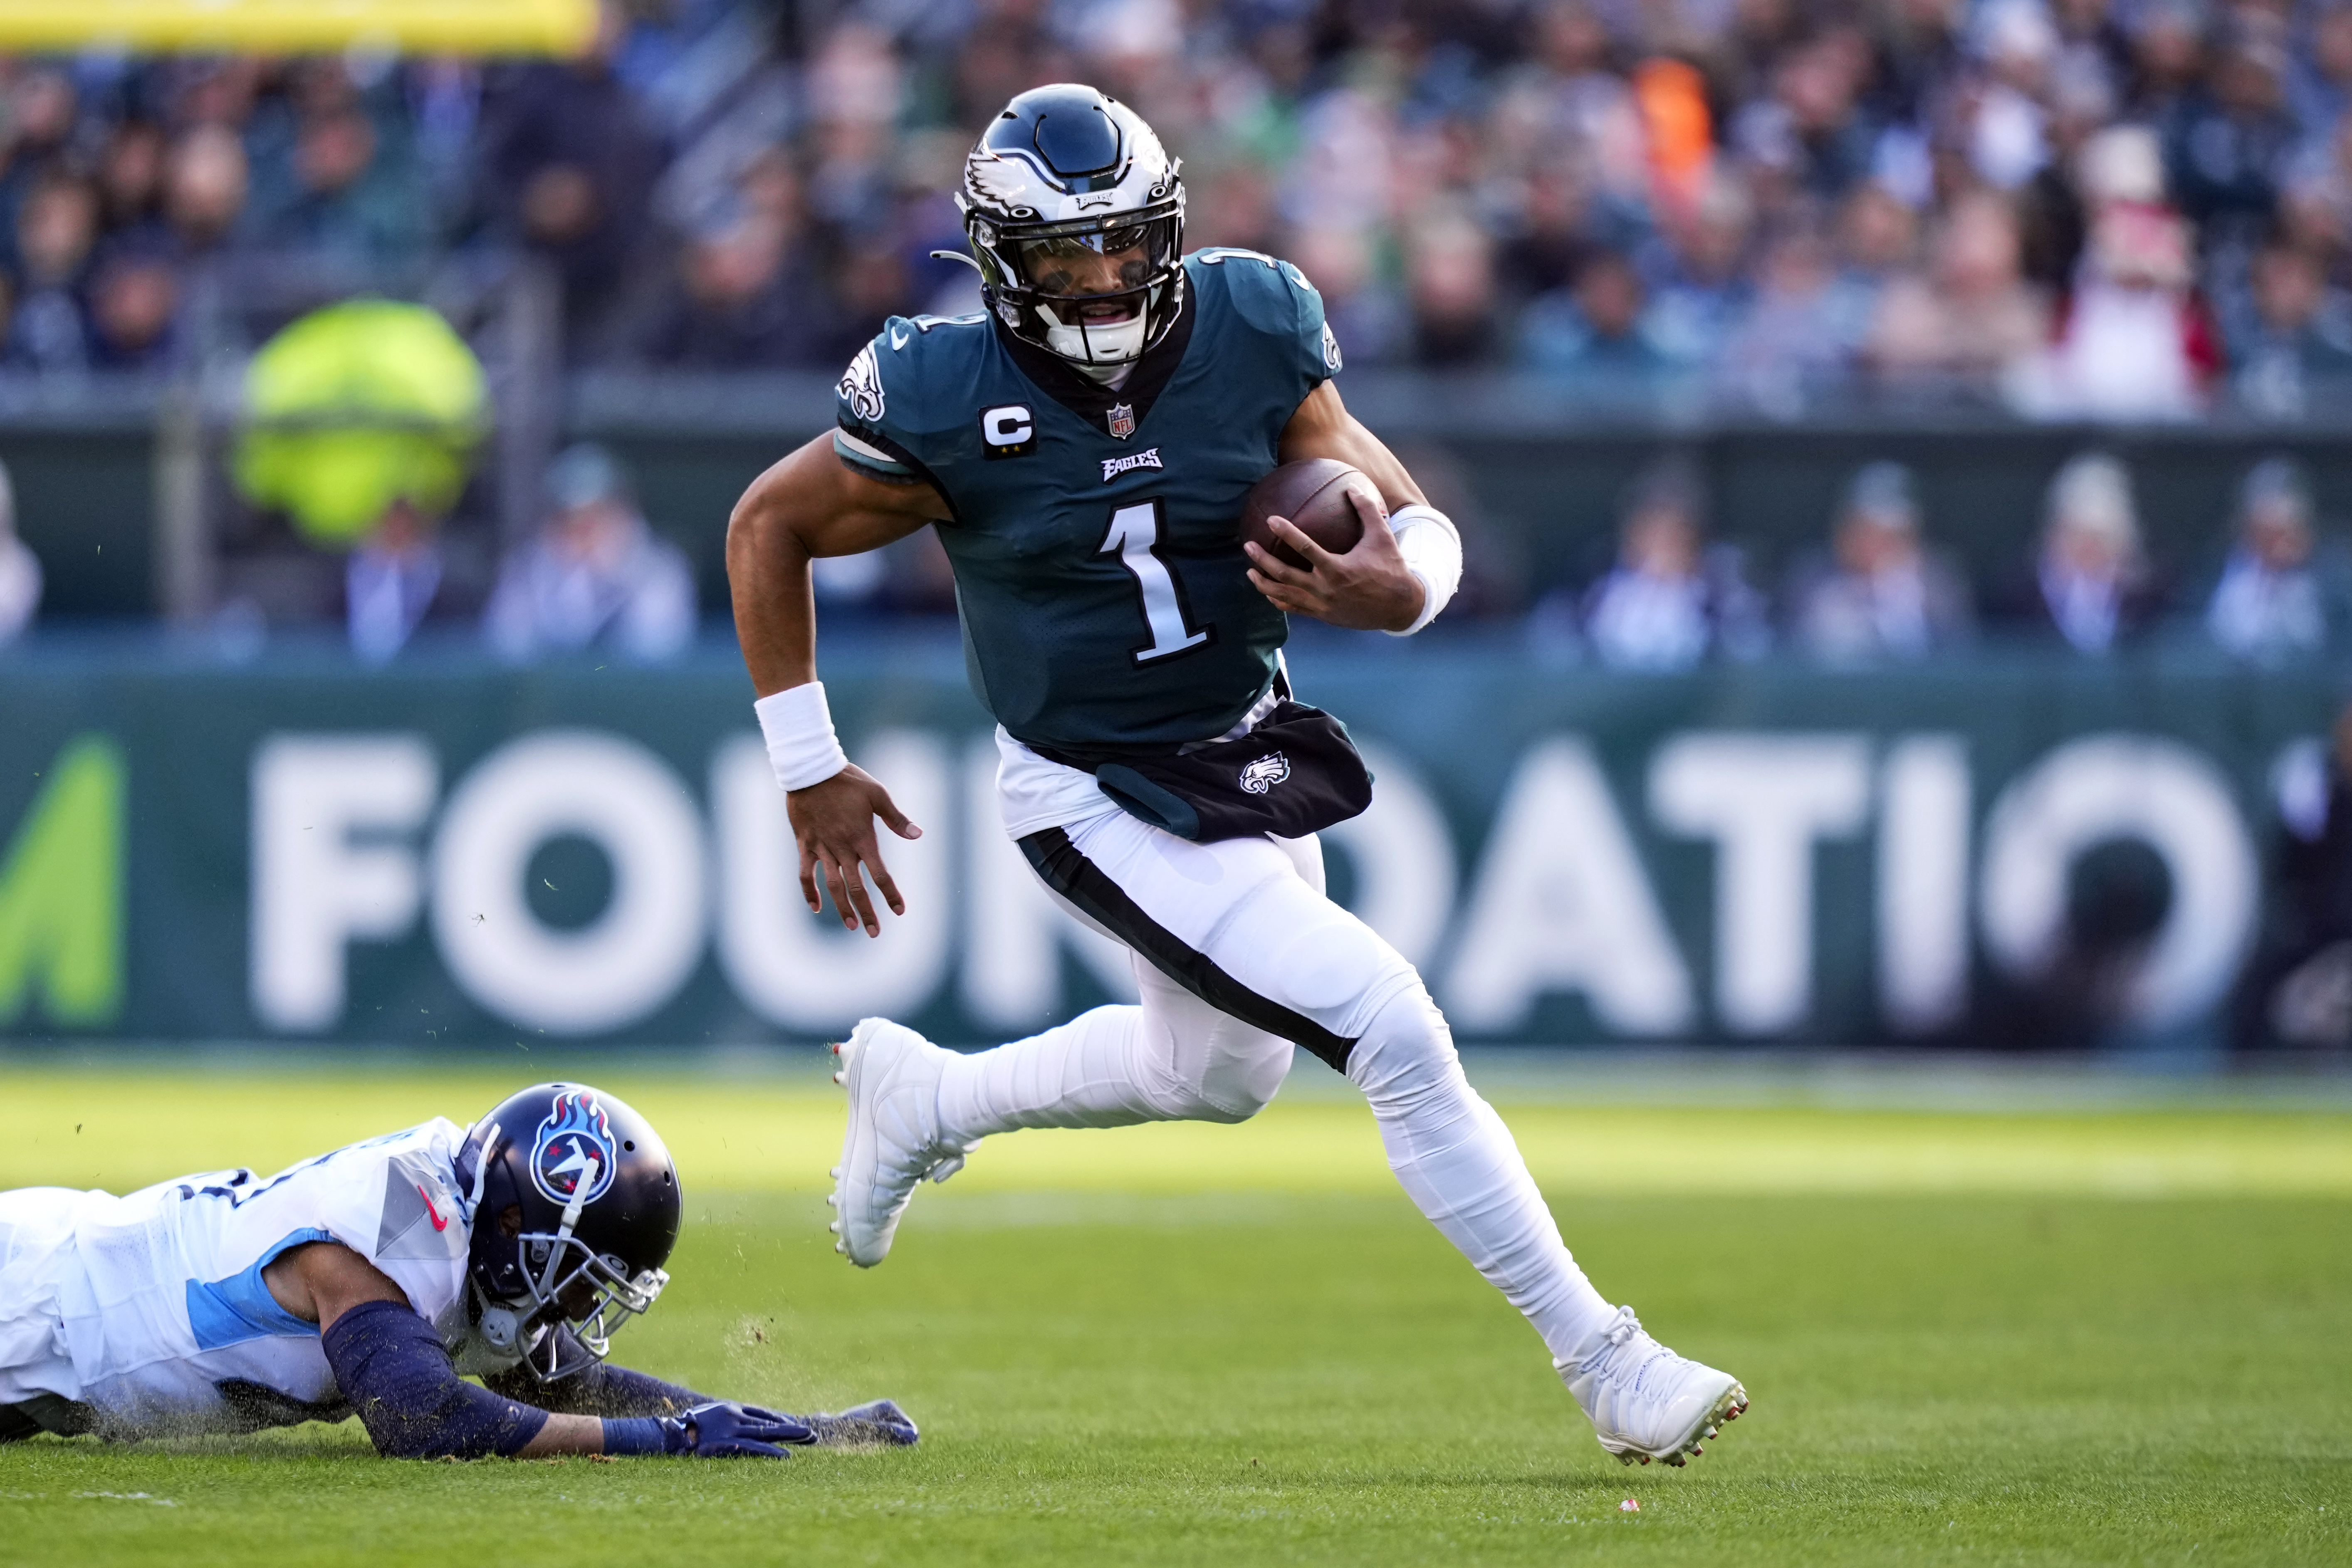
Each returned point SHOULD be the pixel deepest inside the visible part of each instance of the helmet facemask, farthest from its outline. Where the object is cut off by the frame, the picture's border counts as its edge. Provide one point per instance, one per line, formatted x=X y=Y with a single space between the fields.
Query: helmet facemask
x=1040 y=274
x=555 y=1301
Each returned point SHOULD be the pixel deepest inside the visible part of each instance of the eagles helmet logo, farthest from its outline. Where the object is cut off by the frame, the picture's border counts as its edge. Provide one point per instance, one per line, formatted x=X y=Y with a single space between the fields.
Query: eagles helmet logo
x=1121 y=419
x=1265 y=773
x=574 y=1145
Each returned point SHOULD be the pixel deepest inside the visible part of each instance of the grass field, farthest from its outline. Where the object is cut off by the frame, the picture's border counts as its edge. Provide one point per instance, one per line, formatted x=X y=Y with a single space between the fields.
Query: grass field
x=2018 y=1336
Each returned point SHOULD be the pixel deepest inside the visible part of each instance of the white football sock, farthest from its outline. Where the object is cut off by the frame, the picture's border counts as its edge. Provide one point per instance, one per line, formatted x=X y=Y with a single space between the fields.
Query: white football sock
x=1458 y=1161
x=1084 y=1073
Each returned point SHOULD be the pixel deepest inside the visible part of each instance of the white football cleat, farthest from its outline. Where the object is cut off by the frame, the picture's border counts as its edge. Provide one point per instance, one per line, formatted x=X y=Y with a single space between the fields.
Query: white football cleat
x=1647 y=1403
x=893 y=1077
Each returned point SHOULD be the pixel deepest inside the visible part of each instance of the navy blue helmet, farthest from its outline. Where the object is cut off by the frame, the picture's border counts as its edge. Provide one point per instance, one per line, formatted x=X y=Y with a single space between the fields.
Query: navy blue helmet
x=574 y=1209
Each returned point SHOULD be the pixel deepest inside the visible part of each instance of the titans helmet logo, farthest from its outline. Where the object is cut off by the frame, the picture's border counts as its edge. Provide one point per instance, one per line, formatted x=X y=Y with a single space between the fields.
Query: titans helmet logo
x=575 y=1144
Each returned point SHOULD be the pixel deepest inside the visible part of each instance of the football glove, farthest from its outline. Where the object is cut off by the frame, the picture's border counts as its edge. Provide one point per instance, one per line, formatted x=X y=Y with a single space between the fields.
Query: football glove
x=720 y=1430
x=876 y=1422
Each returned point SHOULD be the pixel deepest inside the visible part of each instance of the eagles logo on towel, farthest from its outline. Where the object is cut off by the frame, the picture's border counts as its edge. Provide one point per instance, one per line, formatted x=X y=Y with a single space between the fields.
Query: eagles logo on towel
x=575 y=1144
x=1265 y=773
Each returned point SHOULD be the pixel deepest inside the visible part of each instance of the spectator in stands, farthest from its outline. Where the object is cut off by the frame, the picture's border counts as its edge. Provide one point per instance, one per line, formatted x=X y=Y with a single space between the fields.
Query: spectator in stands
x=342 y=192
x=130 y=175
x=134 y=295
x=1671 y=601
x=395 y=581
x=206 y=187
x=1450 y=283
x=1884 y=595
x=2295 y=348
x=2227 y=150
x=2090 y=584
x=742 y=299
x=20 y=571
x=1973 y=316
x=1598 y=342
x=595 y=573
x=2319 y=77
x=1797 y=333
x=2272 y=603
x=1878 y=239
x=2135 y=342
x=569 y=170
x=43 y=110
x=56 y=229
x=1699 y=281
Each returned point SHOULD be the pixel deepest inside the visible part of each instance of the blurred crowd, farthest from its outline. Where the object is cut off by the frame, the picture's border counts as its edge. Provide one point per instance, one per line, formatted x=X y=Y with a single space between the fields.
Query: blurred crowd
x=1880 y=591
x=2129 y=208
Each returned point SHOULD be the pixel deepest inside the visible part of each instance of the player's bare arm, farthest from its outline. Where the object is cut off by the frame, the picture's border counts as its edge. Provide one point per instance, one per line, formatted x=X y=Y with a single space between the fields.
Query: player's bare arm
x=809 y=506
x=1369 y=588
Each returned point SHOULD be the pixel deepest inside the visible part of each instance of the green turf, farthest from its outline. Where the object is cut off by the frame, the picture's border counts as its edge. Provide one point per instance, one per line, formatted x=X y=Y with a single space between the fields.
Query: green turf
x=1111 y=1369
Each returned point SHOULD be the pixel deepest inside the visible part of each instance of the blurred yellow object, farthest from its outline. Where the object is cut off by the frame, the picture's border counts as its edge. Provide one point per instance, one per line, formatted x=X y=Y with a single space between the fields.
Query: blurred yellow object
x=354 y=407
x=301 y=26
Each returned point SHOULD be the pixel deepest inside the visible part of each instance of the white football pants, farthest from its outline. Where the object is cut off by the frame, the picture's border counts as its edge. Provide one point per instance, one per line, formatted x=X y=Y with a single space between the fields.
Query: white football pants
x=1239 y=953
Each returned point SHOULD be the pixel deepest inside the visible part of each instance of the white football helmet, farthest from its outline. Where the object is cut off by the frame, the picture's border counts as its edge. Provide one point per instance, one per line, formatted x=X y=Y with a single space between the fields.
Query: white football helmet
x=1062 y=174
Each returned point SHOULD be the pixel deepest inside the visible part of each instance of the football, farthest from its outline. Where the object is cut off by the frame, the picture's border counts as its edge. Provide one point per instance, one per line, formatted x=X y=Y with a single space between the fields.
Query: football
x=1312 y=495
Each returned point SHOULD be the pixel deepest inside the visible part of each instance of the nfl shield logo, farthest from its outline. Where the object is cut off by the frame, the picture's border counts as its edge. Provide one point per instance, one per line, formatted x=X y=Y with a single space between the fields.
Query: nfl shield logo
x=1122 y=420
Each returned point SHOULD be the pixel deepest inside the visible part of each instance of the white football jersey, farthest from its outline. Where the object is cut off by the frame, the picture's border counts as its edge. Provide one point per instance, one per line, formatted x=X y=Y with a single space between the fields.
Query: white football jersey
x=162 y=1308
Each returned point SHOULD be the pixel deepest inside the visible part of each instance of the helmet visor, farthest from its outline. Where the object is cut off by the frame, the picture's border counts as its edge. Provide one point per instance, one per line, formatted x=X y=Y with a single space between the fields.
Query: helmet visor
x=1102 y=263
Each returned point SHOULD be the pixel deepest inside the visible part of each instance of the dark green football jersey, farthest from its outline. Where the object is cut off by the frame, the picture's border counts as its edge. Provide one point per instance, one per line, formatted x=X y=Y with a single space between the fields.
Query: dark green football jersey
x=1099 y=578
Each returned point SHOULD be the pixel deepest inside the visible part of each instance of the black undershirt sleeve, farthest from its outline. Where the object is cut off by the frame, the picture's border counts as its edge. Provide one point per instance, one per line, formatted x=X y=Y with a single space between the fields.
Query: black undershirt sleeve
x=612 y=1392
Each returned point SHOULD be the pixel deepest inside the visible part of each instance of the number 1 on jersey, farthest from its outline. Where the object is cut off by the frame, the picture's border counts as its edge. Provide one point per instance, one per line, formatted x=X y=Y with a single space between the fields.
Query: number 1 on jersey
x=1134 y=538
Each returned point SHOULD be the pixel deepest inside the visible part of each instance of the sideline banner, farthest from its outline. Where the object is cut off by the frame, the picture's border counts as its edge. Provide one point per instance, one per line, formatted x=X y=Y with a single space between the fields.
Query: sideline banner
x=1997 y=851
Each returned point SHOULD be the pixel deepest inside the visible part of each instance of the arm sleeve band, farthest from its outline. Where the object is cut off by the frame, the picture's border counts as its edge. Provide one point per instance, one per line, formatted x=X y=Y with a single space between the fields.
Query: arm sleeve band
x=1431 y=547
x=635 y=1436
x=611 y=1392
x=798 y=728
x=393 y=1367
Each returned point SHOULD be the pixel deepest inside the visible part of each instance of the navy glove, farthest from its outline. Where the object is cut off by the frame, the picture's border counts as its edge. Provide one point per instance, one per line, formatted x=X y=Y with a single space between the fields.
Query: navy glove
x=715 y=1431
x=878 y=1421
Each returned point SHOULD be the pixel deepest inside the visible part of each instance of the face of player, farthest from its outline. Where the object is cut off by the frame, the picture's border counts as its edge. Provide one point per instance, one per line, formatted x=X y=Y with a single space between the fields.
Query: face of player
x=1076 y=265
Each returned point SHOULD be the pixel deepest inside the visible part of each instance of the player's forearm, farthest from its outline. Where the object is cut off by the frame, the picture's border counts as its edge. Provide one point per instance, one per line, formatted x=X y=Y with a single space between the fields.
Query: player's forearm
x=768 y=579
x=566 y=1434
x=1322 y=428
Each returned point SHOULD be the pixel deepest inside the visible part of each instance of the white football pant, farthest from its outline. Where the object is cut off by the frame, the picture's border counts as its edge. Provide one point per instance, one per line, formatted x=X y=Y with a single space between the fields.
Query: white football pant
x=1239 y=953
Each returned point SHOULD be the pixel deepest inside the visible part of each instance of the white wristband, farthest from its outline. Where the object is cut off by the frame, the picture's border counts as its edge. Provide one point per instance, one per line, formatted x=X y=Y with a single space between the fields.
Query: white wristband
x=798 y=728
x=1431 y=549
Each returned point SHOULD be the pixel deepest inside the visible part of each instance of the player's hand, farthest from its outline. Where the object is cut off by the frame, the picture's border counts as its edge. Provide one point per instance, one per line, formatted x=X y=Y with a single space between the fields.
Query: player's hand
x=1368 y=589
x=878 y=1421
x=722 y=1431
x=833 y=821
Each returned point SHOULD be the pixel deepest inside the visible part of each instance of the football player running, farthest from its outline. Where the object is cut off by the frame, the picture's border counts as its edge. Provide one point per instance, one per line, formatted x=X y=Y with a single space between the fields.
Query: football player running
x=1083 y=446
x=367 y=1281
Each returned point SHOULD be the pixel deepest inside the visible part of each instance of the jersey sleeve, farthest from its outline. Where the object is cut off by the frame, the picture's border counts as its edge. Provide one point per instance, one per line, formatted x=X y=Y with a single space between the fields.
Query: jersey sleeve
x=1283 y=311
x=872 y=402
x=393 y=1203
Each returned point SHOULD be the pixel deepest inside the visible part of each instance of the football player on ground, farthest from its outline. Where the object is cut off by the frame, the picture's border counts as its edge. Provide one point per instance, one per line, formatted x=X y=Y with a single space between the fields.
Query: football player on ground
x=1083 y=446
x=366 y=1281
